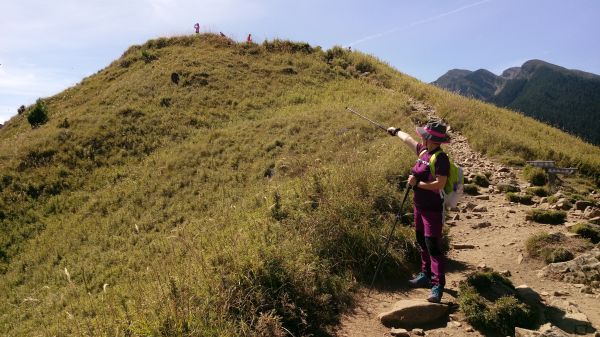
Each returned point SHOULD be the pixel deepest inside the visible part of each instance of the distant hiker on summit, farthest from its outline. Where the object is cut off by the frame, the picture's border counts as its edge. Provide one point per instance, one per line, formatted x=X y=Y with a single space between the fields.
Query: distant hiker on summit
x=249 y=39
x=428 y=178
x=197 y=28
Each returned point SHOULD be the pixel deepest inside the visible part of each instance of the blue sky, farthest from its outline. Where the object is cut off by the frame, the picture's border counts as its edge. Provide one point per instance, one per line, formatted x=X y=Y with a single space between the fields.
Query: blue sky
x=47 y=46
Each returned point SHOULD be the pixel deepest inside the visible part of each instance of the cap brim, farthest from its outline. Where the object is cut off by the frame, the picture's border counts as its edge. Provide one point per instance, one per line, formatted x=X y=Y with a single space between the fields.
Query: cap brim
x=425 y=135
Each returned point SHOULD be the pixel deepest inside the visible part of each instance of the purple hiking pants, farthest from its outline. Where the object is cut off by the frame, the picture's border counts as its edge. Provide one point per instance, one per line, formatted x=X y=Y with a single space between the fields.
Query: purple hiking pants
x=428 y=226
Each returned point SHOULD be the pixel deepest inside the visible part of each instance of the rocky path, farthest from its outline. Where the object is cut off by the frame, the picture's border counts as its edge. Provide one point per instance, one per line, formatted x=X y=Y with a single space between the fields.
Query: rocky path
x=487 y=232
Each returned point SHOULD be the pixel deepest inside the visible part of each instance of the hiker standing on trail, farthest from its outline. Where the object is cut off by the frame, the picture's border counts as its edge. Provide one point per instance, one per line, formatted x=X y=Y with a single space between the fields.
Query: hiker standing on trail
x=197 y=27
x=429 y=203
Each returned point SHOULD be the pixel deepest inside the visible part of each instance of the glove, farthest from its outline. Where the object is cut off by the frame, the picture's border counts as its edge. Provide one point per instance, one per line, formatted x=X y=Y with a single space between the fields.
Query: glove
x=393 y=131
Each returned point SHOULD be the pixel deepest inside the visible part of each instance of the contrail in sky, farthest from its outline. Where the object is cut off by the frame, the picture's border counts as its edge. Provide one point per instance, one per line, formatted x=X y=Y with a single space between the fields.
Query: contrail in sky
x=416 y=23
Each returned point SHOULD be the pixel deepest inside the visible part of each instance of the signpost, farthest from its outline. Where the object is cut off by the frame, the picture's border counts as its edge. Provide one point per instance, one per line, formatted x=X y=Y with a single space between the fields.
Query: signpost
x=548 y=165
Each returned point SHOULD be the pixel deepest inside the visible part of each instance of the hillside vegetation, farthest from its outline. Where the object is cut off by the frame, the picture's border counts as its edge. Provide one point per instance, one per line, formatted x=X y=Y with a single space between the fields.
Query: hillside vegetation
x=202 y=187
x=566 y=99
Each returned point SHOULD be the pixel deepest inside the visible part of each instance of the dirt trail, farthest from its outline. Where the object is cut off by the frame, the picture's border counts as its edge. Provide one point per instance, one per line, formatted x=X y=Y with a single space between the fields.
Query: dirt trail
x=500 y=246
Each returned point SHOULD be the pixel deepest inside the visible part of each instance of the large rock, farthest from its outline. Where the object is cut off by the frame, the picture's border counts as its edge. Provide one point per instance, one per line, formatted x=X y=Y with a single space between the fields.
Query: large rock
x=583 y=269
x=591 y=212
x=413 y=313
x=544 y=331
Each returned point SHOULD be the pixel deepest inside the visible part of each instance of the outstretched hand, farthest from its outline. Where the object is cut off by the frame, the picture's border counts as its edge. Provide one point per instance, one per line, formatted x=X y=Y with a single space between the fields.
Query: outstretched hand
x=393 y=131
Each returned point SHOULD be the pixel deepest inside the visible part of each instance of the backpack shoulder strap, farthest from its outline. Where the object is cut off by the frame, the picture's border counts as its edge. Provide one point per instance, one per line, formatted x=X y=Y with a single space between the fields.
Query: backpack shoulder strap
x=432 y=161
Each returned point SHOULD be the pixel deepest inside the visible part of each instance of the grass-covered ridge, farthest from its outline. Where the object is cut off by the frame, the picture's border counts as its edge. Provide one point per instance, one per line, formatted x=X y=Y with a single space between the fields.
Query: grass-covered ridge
x=235 y=198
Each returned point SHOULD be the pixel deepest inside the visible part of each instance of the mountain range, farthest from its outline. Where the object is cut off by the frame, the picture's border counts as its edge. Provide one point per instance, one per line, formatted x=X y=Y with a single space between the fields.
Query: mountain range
x=564 y=98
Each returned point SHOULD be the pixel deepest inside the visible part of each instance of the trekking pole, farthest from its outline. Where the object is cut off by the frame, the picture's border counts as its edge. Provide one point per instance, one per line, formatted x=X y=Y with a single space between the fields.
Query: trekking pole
x=389 y=239
x=363 y=117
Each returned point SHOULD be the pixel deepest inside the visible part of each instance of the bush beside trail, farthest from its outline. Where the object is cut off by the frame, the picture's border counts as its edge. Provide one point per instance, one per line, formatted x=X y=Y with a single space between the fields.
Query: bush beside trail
x=491 y=304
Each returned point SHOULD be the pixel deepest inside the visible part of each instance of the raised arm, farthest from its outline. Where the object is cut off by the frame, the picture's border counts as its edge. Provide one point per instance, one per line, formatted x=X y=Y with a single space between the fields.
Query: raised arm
x=408 y=140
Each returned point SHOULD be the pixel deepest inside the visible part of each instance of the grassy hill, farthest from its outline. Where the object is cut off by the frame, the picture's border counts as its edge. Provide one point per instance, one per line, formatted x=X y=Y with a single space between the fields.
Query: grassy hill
x=566 y=99
x=202 y=187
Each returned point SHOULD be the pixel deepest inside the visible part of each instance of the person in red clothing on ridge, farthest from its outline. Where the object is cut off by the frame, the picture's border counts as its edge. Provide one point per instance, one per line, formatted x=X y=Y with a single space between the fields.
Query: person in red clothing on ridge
x=249 y=39
x=429 y=203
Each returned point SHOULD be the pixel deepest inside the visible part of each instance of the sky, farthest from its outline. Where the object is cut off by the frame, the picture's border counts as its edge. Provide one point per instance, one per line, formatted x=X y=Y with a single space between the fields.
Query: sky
x=48 y=46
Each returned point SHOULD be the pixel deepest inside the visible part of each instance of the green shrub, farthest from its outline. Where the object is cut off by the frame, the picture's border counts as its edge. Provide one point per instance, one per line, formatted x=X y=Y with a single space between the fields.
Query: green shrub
x=471 y=189
x=524 y=199
x=149 y=56
x=546 y=216
x=549 y=247
x=489 y=303
x=481 y=180
x=535 y=175
x=540 y=191
x=558 y=255
x=39 y=115
x=505 y=188
x=64 y=124
x=536 y=242
x=512 y=160
x=587 y=231
x=364 y=66
x=165 y=102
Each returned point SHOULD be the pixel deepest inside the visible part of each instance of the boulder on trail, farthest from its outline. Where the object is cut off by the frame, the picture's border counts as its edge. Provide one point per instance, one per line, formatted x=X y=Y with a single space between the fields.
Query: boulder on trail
x=546 y=330
x=413 y=313
x=591 y=212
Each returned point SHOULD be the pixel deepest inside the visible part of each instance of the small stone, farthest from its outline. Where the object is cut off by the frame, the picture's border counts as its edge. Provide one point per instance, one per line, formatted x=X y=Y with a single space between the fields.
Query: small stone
x=520 y=259
x=480 y=209
x=462 y=246
x=512 y=211
x=505 y=273
x=456 y=217
x=503 y=169
x=481 y=225
x=418 y=332
x=482 y=197
x=483 y=267
x=586 y=290
x=453 y=317
x=469 y=329
x=559 y=293
x=399 y=332
x=454 y=324
x=544 y=293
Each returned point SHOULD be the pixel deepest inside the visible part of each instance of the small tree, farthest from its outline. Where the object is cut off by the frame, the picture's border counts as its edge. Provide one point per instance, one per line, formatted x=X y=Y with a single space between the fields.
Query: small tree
x=39 y=114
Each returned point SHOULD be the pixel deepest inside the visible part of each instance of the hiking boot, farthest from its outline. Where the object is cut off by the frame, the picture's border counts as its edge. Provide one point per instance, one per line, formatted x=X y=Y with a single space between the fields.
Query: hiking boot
x=420 y=281
x=436 y=294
